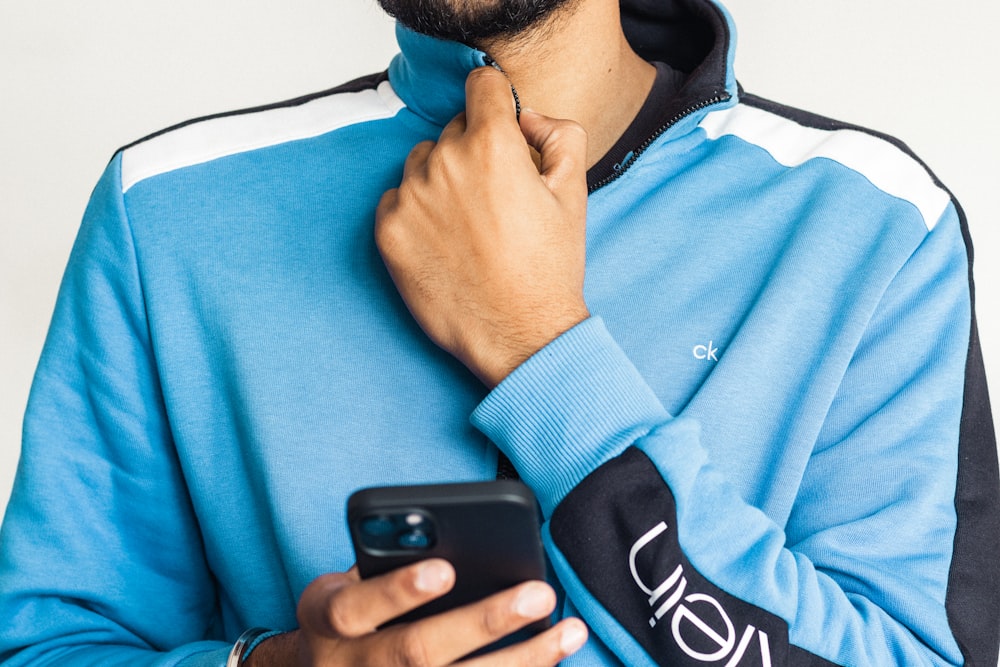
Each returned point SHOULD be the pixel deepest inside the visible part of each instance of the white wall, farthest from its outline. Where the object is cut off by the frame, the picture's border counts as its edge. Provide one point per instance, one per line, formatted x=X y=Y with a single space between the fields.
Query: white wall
x=77 y=80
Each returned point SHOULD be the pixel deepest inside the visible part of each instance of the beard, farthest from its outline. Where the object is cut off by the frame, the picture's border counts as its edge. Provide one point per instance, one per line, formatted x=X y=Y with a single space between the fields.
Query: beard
x=471 y=21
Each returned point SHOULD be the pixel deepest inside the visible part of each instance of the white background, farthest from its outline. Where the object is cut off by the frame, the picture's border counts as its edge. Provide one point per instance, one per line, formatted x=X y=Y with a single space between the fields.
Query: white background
x=79 y=79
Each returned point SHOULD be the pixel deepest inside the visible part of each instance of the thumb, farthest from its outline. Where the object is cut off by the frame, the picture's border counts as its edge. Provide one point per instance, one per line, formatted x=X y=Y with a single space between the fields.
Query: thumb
x=488 y=98
x=562 y=147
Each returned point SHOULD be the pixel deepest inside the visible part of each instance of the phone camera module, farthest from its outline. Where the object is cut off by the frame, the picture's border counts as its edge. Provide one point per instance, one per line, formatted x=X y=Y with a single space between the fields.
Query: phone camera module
x=397 y=532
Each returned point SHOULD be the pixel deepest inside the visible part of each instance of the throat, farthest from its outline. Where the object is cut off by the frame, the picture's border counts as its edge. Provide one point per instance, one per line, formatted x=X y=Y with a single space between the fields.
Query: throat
x=581 y=68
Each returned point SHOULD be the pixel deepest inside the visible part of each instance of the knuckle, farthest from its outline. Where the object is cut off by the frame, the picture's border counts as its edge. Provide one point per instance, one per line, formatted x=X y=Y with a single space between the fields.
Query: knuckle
x=420 y=151
x=318 y=598
x=410 y=649
x=388 y=235
x=571 y=130
x=396 y=593
x=441 y=158
x=447 y=168
x=536 y=653
x=497 y=621
x=491 y=141
x=341 y=620
x=386 y=204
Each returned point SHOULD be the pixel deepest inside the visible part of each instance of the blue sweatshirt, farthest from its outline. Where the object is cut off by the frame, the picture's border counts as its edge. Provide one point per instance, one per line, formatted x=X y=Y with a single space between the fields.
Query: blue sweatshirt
x=771 y=445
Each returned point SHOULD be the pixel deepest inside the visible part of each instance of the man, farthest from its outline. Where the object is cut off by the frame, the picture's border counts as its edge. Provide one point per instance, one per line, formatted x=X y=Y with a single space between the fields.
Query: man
x=755 y=418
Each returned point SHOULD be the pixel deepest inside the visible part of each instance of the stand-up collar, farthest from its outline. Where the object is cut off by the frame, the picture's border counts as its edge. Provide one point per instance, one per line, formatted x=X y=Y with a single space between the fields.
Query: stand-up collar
x=694 y=38
x=429 y=74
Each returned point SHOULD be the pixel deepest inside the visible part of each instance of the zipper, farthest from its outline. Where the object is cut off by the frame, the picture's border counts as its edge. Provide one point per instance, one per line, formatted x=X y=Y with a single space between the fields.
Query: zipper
x=487 y=60
x=633 y=155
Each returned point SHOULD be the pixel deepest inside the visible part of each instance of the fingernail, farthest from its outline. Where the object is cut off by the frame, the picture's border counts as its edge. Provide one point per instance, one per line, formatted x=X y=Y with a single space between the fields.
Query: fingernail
x=573 y=637
x=432 y=577
x=534 y=601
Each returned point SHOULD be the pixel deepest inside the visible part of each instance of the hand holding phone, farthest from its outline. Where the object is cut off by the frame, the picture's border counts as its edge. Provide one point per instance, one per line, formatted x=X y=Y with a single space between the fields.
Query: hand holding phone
x=407 y=606
x=488 y=531
x=338 y=614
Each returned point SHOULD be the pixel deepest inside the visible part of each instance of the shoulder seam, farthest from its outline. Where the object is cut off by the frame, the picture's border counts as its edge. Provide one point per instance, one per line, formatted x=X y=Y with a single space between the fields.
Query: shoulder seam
x=370 y=81
x=809 y=119
x=794 y=137
x=221 y=135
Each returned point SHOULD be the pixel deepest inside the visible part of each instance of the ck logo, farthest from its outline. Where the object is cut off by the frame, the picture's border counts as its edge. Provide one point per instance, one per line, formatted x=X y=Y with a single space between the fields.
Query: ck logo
x=697 y=619
x=706 y=352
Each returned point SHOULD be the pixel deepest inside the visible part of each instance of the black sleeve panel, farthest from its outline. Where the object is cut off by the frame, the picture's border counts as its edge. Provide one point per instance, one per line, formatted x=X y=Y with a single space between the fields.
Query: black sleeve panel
x=973 y=599
x=630 y=559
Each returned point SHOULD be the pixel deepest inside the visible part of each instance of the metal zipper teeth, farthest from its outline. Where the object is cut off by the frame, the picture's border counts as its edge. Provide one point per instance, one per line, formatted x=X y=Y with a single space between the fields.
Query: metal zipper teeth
x=634 y=155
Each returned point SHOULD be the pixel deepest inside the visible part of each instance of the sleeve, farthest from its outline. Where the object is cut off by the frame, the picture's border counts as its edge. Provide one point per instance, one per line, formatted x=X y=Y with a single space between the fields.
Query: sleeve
x=669 y=565
x=101 y=562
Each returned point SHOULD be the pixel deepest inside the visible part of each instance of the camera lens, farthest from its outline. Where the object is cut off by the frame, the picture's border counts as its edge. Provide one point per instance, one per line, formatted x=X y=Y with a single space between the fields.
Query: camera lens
x=414 y=539
x=377 y=526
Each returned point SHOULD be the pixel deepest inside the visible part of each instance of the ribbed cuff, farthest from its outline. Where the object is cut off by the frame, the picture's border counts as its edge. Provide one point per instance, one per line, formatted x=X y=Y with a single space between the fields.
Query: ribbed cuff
x=575 y=404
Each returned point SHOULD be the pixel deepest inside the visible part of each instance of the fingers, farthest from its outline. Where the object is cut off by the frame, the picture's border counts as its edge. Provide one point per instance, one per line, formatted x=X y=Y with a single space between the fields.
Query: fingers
x=458 y=632
x=486 y=248
x=339 y=614
x=548 y=648
x=488 y=98
x=561 y=144
x=342 y=606
x=444 y=638
x=562 y=147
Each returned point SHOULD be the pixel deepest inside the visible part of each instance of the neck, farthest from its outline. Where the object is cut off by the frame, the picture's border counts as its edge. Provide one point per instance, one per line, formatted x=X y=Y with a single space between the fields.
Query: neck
x=578 y=66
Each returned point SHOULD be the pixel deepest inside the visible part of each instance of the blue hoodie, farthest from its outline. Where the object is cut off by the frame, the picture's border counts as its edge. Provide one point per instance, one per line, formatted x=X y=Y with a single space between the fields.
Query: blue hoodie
x=771 y=445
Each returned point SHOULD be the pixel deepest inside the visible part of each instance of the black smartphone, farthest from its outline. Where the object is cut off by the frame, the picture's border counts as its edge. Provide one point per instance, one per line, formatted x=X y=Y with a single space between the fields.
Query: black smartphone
x=488 y=531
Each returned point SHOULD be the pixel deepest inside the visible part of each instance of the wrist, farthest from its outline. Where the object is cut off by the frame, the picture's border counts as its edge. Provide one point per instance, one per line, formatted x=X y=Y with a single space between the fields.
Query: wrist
x=245 y=644
x=568 y=410
x=515 y=349
x=270 y=649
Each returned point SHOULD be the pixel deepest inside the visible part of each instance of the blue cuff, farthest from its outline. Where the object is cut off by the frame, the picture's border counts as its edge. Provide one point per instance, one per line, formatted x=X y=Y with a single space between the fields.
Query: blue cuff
x=575 y=404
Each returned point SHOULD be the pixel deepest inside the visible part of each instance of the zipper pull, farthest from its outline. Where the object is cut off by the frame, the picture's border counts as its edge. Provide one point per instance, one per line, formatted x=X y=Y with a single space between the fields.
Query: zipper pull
x=626 y=161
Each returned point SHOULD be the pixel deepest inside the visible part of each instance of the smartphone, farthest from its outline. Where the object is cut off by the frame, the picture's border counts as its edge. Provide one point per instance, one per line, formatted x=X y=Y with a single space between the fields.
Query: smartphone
x=488 y=531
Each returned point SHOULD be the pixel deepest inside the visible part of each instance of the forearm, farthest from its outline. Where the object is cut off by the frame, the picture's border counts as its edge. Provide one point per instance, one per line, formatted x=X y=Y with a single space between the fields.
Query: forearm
x=622 y=479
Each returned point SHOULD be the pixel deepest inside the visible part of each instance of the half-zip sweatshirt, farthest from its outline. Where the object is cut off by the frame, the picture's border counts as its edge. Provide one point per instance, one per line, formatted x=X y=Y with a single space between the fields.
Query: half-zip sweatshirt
x=770 y=445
